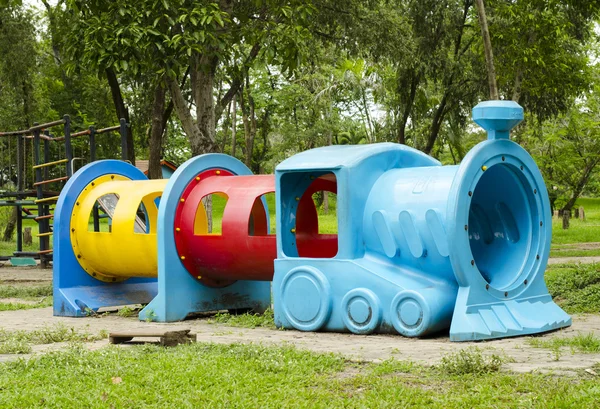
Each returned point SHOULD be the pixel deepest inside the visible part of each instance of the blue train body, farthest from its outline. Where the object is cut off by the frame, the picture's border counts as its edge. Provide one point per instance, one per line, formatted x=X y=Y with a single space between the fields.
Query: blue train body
x=420 y=247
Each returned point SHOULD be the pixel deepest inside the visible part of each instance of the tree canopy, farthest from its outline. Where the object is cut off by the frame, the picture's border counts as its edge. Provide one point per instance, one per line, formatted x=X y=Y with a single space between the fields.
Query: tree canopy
x=264 y=79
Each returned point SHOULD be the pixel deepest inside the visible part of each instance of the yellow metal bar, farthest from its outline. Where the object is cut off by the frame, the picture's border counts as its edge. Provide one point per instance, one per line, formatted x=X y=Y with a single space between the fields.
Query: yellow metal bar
x=56 y=162
x=44 y=234
x=47 y=199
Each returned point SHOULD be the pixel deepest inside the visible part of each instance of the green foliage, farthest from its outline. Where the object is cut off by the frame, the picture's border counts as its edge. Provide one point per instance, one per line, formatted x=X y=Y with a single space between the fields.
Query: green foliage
x=567 y=150
x=245 y=320
x=576 y=287
x=470 y=361
x=542 y=45
x=126 y=312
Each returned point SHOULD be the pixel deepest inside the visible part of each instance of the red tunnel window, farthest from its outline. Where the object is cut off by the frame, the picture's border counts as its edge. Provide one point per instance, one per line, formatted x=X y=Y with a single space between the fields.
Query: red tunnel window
x=316 y=223
x=209 y=216
x=262 y=217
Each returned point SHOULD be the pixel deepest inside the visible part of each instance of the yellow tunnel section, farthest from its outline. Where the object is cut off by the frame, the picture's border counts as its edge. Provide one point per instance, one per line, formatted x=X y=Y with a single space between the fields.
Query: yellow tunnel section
x=130 y=248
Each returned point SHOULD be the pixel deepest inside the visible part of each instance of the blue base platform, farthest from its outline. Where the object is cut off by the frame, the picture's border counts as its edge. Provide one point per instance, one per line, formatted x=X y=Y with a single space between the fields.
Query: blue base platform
x=76 y=293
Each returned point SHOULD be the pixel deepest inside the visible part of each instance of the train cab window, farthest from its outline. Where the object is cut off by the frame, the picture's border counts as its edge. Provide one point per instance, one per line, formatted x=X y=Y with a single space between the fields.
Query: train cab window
x=309 y=223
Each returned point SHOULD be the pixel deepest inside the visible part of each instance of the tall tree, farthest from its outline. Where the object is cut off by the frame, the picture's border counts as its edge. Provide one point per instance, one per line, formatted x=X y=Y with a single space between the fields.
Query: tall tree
x=17 y=71
x=487 y=46
x=167 y=37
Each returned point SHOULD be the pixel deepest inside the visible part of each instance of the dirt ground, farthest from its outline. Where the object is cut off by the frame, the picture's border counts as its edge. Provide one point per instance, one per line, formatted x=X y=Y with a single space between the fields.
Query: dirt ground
x=571 y=260
x=374 y=348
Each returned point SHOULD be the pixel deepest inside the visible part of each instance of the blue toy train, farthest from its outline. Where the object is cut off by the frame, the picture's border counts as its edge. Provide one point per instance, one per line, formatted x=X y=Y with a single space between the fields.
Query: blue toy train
x=420 y=247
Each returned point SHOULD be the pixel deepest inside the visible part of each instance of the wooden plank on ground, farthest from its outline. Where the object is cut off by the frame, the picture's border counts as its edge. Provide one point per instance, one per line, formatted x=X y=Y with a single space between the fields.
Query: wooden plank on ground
x=167 y=337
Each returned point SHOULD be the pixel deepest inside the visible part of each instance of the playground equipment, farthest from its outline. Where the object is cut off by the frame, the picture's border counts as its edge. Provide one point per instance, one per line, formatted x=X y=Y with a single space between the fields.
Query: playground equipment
x=41 y=209
x=90 y=266
x=420 y=247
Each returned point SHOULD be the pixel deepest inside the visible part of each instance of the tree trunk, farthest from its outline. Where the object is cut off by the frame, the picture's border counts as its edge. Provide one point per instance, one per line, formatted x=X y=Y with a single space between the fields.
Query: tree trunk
x=27 y=238
x=249 y=120
x=21 y=175
x=55 y=46
x=169 y=110
x=408 y=109
x=237 y=83
x=198 y=142
x=487 y=46
x=581 y=184
x=371 y=133
x=203 y=81
x=121 y=110
x=158 y=106
x=566 y=215
x=10 y=225
x=438 y=118
x=516 y=96
x=233 y=126
x=225 y=129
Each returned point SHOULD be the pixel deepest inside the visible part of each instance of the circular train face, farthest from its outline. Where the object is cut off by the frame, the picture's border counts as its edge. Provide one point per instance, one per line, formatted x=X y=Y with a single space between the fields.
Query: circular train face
x=502 y=220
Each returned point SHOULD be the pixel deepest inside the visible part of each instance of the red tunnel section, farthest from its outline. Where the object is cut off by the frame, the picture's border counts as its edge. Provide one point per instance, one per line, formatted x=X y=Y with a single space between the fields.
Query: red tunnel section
x=244 y=250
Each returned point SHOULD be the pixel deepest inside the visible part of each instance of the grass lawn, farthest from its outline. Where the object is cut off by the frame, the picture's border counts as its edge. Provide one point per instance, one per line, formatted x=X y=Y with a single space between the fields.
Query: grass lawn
x=253 y=376
x=575 y=287
x=25 y=298
x=580 y=231
x=8 y=247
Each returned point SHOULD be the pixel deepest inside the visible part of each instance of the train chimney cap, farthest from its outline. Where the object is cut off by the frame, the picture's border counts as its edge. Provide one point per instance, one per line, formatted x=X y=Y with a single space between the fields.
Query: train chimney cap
x=498 y=117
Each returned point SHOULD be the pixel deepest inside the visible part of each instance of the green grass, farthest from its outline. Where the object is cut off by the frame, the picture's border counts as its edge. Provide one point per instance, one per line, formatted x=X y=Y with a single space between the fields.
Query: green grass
x=20 y=342
x=8 y=247
x=246 y=320
x=40 y=295
x=580 y=231
x=574 y=252
x=126 y=312
x=29 y=292
x=470 y=361
x=251 y=376
x=575 y=287
x=14 y=306
x=586 y=343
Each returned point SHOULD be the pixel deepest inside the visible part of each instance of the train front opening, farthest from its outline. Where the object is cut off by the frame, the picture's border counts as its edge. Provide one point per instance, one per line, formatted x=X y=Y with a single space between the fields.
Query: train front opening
x=502 y=222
